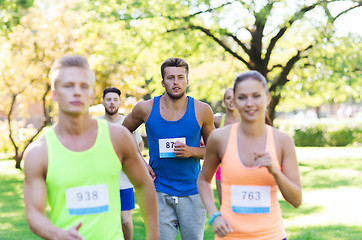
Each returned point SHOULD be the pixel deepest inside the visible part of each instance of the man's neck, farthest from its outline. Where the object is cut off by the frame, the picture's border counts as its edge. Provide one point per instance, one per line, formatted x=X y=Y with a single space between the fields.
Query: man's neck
x=73 y=125
x=112 y=118
x=174 y=104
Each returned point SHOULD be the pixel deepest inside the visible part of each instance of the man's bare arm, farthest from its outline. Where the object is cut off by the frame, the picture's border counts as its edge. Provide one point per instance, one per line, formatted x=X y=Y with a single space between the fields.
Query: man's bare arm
x=135 y=169
x=139 y=115
x=205 y=118
x=35 y=195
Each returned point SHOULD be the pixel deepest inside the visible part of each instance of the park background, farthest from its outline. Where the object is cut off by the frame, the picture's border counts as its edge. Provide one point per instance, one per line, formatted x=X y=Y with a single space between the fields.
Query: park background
x=309 y=51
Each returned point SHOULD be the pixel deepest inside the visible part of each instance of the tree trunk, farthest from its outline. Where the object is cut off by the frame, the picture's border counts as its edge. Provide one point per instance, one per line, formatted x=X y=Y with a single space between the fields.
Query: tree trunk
x=318 y=111
x=18 y=161
x=271 y=108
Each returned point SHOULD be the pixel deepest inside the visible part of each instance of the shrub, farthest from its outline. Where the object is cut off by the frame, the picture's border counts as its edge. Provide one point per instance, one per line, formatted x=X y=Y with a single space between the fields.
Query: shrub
x=340 y=137
x=309 y=136
x=323 y=132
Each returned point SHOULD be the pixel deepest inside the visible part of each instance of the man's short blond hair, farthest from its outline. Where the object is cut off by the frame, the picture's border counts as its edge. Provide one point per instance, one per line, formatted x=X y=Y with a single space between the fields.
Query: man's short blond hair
x=69 y=61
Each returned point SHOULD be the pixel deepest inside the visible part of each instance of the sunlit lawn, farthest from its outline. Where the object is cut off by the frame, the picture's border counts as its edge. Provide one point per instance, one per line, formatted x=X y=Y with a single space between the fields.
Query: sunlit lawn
x=331 y=209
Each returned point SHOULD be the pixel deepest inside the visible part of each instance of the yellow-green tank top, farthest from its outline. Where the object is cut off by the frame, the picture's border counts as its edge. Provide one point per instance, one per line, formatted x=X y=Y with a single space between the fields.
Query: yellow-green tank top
x=84 y=186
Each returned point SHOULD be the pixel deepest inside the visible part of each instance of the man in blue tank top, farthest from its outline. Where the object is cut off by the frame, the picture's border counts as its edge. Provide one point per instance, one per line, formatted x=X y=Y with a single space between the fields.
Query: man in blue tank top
x=174 y=125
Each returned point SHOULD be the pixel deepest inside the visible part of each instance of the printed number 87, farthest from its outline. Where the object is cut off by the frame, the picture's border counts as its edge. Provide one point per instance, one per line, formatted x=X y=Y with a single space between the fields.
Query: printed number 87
x=169 y=144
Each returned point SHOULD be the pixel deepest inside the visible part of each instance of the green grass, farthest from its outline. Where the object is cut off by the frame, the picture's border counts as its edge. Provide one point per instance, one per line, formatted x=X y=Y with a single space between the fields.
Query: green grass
x=331 y=209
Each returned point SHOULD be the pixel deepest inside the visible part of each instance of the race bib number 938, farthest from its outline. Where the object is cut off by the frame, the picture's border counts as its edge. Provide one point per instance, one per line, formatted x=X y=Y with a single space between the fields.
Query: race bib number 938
x=87 y=199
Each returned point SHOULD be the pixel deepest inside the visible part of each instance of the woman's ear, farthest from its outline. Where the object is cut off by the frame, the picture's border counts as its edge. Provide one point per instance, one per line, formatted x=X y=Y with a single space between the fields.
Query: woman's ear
x=268 y=99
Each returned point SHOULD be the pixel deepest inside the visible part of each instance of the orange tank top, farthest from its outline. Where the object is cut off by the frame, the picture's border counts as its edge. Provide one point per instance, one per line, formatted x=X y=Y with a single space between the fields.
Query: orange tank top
x=249 y=194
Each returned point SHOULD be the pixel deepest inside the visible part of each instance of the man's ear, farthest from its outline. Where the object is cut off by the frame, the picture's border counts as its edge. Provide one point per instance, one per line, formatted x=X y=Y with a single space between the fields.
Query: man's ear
x=92 y=97
x=163 y=83
x=54 y=94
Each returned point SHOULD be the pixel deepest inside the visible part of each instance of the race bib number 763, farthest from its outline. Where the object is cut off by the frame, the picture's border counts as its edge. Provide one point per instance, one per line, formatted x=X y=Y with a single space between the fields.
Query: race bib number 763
x=250 y=199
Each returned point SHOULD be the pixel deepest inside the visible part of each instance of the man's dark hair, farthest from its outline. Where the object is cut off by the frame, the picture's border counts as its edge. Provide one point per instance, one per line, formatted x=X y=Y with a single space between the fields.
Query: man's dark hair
x=174 y=62
x=111 y=89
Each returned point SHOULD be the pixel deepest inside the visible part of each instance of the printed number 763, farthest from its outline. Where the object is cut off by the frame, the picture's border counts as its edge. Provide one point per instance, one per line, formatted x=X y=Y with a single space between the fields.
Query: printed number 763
x=250 y=195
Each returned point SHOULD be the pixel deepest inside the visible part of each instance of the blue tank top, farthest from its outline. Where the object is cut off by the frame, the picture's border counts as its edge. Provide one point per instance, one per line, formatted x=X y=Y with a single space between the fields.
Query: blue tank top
x=174 y=176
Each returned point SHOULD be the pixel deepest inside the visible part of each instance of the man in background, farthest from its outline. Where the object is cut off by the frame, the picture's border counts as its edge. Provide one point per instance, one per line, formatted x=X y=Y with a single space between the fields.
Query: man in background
x=111 y=103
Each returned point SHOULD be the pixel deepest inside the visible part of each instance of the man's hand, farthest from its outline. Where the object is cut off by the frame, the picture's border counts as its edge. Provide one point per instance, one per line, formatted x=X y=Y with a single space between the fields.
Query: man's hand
x=182 y=150
x=71 y=234
x=150 y=171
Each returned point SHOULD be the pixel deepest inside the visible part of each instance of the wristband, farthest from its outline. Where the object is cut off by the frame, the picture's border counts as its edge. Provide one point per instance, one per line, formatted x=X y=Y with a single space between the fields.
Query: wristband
x=212 y=218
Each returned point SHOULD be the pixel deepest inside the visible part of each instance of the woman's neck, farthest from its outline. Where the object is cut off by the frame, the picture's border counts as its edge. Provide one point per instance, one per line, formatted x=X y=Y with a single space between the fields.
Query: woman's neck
x=252 y=129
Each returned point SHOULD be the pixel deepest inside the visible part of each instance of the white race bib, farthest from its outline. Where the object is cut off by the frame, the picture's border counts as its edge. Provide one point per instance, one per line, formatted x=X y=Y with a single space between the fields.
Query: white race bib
x=167 y=145
x=87 y=200
x=250 y=199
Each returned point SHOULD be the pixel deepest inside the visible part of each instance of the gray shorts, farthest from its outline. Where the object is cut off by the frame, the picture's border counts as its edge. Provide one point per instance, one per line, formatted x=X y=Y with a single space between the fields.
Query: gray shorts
x=185 y=213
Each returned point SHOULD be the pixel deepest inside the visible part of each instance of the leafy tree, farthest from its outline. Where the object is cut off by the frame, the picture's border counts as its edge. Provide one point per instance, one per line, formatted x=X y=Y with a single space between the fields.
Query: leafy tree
x=11 y=12
x=155 y=43
x=253 y=32
x=19 y=78
x=331 y=75
x=28 y=52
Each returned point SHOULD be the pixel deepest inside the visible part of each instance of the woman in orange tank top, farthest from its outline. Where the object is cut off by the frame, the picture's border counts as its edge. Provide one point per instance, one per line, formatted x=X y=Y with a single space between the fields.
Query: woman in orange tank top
x=256 y=160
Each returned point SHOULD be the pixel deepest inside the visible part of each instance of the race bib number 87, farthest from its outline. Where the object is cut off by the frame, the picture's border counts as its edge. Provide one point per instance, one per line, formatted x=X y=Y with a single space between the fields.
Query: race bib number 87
x=250 y=199
x=167 y=145
x=87 y=200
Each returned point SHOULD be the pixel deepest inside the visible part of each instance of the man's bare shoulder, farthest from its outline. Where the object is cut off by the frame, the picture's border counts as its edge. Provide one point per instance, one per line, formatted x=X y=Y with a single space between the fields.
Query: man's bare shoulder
x=37 y=147
x=118 y=133
x=143 y=108
x=204 y=111
x=36 y=156
x=116 y=128
x=144 y=104
x=203 y=107
x=201 y=104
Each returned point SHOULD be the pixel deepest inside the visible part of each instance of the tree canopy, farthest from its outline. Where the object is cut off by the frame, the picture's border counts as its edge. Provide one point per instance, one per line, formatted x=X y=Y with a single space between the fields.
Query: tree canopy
x=253 y=32
x=11 y=11
x=292 y=43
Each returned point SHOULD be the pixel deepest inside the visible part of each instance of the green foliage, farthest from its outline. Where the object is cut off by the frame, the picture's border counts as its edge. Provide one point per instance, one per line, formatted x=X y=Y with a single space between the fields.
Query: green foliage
x=341 y=137
x=5 y=145
x=329 y=232
x=323 y=132
x=44 y=35
x=331 y=74
x=309 y=136
x=11 y=12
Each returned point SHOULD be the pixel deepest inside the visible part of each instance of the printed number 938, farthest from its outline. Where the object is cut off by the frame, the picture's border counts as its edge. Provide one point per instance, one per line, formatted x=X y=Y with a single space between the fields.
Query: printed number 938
x=87 y=196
